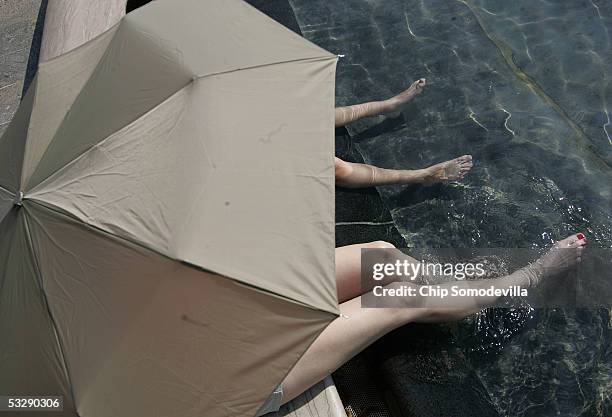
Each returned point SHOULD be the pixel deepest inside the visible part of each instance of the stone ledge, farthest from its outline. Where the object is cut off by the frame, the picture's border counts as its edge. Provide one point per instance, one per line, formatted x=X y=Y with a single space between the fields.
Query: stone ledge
x=322 y=400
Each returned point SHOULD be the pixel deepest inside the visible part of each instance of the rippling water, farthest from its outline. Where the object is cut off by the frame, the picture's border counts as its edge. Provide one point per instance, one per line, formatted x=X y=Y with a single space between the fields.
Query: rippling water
x=526 y=88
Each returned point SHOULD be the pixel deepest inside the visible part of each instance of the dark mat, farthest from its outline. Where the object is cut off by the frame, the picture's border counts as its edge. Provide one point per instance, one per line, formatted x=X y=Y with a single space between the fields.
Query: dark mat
x=361 y=215
x=425 y=374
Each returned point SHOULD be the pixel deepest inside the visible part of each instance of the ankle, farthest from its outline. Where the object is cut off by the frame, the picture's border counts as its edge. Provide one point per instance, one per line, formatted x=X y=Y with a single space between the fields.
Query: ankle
x=530 y=275
x=416 y=176
x=424 y=174
x=389 y=105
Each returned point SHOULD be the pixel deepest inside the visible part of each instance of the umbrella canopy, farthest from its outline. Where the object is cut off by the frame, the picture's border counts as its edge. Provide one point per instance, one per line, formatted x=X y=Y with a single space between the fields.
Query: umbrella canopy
x=166 y=215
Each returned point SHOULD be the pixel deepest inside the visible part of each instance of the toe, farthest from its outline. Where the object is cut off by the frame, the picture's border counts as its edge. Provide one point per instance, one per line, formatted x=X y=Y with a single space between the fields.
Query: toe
x=419 y=84
x=575 y=240
x=567 y=242
x=465 y=164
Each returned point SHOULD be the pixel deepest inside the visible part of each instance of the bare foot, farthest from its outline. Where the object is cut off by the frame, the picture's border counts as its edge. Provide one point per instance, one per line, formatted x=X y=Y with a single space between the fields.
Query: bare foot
x=563 y=255
x=394 y=104
x=454 y=169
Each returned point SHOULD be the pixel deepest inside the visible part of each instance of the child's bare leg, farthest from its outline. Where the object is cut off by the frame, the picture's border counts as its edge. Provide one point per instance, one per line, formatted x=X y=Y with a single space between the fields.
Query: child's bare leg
x=390 y=107
x=355 y=175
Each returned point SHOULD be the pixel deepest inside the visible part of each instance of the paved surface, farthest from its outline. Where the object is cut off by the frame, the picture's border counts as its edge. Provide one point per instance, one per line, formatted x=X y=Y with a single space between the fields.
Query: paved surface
x=20 y=28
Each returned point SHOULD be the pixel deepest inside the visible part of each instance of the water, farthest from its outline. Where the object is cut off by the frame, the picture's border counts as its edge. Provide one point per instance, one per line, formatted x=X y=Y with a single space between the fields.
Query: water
x=525 y=87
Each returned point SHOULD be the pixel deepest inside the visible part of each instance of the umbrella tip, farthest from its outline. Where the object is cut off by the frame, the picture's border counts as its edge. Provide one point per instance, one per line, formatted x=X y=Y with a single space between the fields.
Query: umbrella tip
x=19 y=199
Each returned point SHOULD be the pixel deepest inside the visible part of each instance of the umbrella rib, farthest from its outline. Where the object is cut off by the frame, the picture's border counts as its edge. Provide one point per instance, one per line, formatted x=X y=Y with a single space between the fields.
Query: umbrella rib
x=269 y=64
x=48 y=309
x=36 y=188
x=42 y=182
x=126 y=240
x=7 y=190
x=34 y=86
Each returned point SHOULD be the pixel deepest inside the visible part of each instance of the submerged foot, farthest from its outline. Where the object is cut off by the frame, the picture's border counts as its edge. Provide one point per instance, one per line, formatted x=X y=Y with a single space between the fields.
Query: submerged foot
x=454 y=169
x=394 y=104
x=562 y=256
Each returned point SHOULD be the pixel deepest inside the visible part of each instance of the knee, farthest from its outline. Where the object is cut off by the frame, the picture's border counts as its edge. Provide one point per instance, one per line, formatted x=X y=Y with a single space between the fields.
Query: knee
x=381 y=244
x=386 y=256
x=343 y=169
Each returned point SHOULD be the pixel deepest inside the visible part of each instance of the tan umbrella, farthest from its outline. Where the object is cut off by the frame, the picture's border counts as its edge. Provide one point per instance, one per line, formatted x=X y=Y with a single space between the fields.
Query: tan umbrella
x=166 y=215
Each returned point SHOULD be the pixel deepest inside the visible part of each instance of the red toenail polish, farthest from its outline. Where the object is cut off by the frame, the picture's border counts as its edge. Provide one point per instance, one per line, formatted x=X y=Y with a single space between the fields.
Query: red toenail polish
x=580 y=236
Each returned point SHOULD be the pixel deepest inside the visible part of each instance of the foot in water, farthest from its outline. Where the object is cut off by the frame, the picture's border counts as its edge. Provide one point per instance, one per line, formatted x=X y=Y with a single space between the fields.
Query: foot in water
x=455 y=169
x=562 y=256
x=394 y=104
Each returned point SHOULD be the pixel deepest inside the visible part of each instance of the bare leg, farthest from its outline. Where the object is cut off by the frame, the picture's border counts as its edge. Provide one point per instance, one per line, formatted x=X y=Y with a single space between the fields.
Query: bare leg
x=359 y=327
x=390 y=107
x=353 y=175
x=340 y=341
